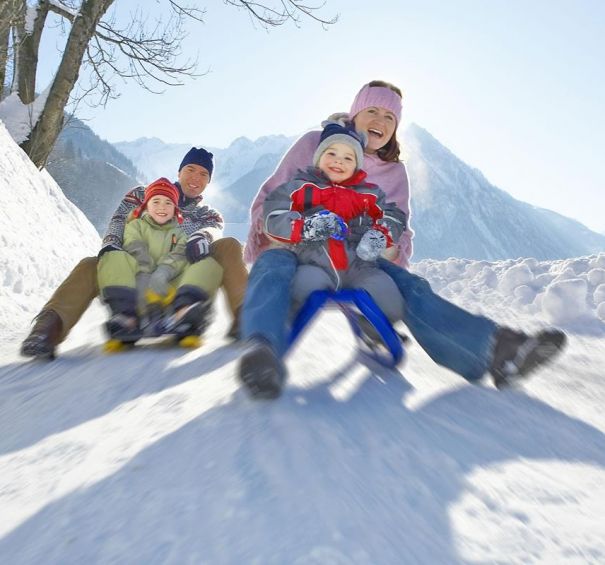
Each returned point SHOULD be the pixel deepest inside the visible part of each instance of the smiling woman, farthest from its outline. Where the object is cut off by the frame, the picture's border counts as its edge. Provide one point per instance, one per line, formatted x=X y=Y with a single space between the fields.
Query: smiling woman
x=378 y=115
x=464 y=343
x=375 y=111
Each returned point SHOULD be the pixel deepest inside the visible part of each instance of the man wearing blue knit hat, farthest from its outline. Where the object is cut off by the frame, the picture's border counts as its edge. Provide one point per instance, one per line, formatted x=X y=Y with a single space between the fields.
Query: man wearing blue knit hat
x=75 y=294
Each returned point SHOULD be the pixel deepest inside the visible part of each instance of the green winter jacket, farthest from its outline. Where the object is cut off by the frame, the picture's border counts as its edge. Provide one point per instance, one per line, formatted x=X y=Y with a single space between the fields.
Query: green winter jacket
x=152 y=244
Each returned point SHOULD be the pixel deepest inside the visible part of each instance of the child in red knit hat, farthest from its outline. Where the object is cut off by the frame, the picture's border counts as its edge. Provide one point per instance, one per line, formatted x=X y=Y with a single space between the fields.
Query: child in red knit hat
x=135 y=282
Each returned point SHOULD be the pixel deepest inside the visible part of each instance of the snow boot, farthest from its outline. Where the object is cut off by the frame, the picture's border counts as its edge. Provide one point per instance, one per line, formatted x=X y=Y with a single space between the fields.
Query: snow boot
x=260 y=370
x=44 y=336
x=191 y=321
x=517 y=354
x=152 y=320
x=234 y=332
x=124 y=328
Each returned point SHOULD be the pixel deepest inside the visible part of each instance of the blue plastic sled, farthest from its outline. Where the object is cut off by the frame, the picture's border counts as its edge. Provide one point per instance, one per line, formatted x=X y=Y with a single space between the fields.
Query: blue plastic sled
x=350 y=302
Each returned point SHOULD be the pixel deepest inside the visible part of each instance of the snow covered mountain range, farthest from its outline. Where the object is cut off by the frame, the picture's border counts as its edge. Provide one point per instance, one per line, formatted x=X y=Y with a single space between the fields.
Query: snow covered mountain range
x=456 y=212
x=158 y=456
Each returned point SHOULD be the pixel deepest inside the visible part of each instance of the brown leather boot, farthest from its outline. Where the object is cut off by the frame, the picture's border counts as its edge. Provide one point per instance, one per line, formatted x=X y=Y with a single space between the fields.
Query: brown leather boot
x=234 y=331
x=44 y=336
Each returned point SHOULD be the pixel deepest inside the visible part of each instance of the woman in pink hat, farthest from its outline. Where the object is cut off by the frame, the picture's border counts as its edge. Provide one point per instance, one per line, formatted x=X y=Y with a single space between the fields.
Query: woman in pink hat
x=467 y=344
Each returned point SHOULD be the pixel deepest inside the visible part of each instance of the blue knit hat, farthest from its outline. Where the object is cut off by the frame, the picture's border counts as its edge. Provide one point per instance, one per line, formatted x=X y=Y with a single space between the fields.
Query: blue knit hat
x=198 y=157
x=334 y=132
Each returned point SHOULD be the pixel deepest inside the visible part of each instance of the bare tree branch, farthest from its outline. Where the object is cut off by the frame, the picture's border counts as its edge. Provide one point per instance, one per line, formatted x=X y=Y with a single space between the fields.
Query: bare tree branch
x=148 y=52
x=149 y=55
x=286 y=10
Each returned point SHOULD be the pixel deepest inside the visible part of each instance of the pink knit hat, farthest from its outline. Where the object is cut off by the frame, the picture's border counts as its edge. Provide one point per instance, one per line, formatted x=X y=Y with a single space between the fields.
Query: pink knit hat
x=378 y=96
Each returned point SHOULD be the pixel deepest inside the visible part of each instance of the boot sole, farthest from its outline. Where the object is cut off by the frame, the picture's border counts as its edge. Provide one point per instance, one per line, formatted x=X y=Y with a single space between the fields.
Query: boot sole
x=38 y=351
x=35 y=353
x=262 y=383
x=541 y=355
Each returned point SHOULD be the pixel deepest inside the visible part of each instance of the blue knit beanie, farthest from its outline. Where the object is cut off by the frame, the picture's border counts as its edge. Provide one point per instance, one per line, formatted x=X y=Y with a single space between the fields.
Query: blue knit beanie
x=336 y=133
x=198 y=157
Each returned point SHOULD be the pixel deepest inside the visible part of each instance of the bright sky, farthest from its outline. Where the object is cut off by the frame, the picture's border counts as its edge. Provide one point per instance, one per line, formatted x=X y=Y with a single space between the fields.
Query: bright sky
x=514 y=88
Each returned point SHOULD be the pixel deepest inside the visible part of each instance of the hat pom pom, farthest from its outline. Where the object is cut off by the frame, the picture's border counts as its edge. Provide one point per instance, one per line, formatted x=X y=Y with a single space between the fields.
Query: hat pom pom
x=340 y=118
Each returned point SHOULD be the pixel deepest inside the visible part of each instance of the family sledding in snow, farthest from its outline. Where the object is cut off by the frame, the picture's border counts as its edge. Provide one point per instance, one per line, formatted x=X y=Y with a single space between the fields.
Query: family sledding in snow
x=334 y=214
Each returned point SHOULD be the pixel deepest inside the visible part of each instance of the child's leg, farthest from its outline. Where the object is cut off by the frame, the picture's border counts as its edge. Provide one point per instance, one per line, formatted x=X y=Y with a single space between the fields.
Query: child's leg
x=198 y=283
x=381 y=288
x=307 y=279
x=196 y=289
x=117 y=283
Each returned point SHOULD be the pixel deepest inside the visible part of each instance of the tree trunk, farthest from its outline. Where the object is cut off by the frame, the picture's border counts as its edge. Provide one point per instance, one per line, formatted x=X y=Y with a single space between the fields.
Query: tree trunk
x=27 y=56
x=47 y=128
x=9 y=10
x=4 y=35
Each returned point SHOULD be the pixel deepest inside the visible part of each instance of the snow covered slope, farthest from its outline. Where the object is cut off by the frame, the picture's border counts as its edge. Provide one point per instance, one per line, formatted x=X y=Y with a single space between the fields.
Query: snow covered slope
x=157 y=455
x=42 y=236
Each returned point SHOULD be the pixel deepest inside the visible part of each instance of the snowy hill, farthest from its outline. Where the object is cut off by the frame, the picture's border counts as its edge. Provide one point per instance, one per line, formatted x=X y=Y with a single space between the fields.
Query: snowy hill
x=42 y=235
x=456 y=211
x=158 y=456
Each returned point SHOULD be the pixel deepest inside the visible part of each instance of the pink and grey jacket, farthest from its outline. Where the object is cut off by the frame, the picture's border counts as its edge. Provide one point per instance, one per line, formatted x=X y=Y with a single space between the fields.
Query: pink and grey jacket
x=391 y=177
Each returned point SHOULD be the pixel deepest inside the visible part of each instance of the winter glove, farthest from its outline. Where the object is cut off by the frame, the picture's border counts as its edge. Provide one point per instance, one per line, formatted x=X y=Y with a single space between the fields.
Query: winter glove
x=107 y=248
x=359 y=225
x=158 y=282
x=323 y=225
x=371 y=245
x=197 y=248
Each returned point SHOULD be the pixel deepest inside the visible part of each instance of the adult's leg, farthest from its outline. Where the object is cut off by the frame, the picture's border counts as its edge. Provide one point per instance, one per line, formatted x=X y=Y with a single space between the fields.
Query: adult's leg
x=268 y=298
x=74 y=295
x=62 y=311
x=453 y=337
x=228 y=252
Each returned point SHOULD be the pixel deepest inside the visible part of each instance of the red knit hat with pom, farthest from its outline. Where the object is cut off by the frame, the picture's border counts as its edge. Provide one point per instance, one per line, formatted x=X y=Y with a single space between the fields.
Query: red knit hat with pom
x=161 y=187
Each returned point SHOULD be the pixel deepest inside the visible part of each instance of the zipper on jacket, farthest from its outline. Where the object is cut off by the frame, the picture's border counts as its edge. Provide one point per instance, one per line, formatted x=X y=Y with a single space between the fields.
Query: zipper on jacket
x=333 y=267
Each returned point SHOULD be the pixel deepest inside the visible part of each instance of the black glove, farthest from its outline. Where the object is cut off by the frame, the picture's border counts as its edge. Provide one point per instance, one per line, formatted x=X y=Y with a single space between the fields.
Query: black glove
x=359 y=225
x=197 y=248
x=107 y=248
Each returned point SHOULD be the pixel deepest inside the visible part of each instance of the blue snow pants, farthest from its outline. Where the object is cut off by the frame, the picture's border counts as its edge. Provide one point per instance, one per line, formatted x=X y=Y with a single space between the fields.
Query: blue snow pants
x=451 y=336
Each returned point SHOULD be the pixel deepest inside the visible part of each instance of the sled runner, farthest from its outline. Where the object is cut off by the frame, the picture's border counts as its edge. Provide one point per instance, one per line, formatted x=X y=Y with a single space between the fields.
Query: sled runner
x=375 y=334
x=115 y=345
x=184 y=331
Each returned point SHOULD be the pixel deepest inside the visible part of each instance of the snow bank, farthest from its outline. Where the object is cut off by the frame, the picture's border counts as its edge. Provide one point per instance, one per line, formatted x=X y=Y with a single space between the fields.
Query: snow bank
x=42 y=236
x=569 y=293
x=18 y=118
